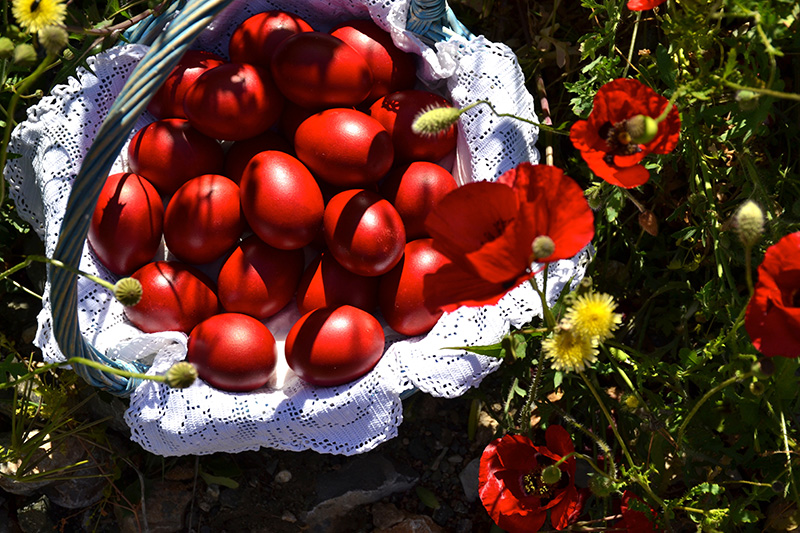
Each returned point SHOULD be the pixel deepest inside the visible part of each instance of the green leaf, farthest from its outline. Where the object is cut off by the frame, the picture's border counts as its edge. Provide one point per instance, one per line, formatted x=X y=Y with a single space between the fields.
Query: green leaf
x=219 y=480
x=558 y=378
x=427 y=497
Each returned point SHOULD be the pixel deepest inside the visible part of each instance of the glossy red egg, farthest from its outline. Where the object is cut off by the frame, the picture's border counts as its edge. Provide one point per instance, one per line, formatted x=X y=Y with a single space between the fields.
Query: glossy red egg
x=326 y=283
x=170 y=152
x=317 y=70
x=168 y=100
x=401 y=298
x=397 y=112
x=258 y=279
x=126 y=226
x=363 y=232
x=233 y=352
x=203 y=219
x=392 y=69
x=334 y=345
x=233 y=101
x=255 y=40
x=344 y=147
x=241 y=152
x=281 y=200
x=175 y=297
x=413 y=190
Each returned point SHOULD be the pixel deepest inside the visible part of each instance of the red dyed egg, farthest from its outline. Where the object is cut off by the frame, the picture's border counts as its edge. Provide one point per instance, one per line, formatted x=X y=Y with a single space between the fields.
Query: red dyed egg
x=392 y=69
x=241 y=152
x=317 y=70
x=233 y=352
x=281 y=200
x=126 y=224
x=255 y=40
x=168 y=100
x=413 y=190
x=326 y=283
x=363 y=232
x=401 y=298
x=258 y=279
x=170 y=152
x=175 y=297
x=344 y=147
x=203 y=219
x=334 y=345
x=397 y=112
x=233 y=101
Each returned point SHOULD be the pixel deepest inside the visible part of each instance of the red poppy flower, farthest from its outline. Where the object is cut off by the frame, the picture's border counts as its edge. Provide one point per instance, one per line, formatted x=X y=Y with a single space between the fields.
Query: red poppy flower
x=604 y=139
x=511 y=486
x=487 y=229
x=644 y=5
x=636 y=518
x=773 y=314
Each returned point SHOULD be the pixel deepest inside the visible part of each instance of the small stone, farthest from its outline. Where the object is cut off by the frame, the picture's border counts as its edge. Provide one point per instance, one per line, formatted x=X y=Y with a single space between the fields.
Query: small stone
x=35 y=517
x=469 y=479
x=464 y=526
x=284 y=476
x=287 y=516
x=385 y=515
x=414 y=524
x=455 y=459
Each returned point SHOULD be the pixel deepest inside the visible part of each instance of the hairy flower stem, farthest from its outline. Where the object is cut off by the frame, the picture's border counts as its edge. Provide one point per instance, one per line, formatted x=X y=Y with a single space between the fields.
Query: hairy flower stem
x=633 y=44
x=55 y=262
x=609 y=418
x=706 y=396
x=597 y=440
x=533 y=395
x=544 y=127
x=23 y=86
x=748 y=269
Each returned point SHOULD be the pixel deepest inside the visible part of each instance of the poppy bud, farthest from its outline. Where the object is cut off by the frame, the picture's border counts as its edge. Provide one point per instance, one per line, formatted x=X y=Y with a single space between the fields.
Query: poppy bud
x=53 y=38
x=435 y=120
x=764 y=368
x=551 y=474
x=757 y=388
x=642 y=129
x=128 y=291
x=6 y=48
x=749 y=221
x=24 y=55
x=600 y=486
x=543 y=247
x=181 y=375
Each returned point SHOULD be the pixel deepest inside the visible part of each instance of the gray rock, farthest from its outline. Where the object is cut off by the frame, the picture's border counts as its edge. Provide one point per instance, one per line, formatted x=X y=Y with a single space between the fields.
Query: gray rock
x=385 y=515
x=165 y=507
x=469 y=479
x=86 y=485
x=35 y=517
x=366 y=479
x=414 y=524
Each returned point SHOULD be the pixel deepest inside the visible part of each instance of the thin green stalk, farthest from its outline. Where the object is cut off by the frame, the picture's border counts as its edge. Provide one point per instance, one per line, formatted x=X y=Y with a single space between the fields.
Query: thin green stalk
x=544 y=127
x=23 y=86
x=610 y=420
x=55 y=262
x=633 y=44
x=768 y=92
x=705 y=398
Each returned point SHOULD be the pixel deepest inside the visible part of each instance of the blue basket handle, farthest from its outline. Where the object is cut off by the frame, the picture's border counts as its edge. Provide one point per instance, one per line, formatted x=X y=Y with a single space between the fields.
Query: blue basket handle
x=167 y=49
x=433 y=21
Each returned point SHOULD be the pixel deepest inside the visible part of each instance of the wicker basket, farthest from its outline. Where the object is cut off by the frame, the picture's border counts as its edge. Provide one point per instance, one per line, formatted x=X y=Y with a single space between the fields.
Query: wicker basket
x=348 y=419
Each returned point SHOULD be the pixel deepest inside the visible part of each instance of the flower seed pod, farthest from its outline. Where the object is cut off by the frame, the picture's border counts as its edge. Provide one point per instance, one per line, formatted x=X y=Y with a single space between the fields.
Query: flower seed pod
x=128 y=291
x=181 y=375
x=24 y=55
x=642 y=129
x=53 y=38
x=749 y=223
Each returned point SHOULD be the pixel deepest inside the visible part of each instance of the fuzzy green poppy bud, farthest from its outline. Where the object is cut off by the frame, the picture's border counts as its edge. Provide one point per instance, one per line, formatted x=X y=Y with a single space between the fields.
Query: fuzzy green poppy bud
x=642 y=129
x=6 y=48
x=435 y=120
x=543 y=247
x=128 y=291
x=749 y=221
x=24 y=55
x=551 y=474
x=53 y=38
x=764 y=368
x=747 y=100
x=181 y=375
x=601 y=486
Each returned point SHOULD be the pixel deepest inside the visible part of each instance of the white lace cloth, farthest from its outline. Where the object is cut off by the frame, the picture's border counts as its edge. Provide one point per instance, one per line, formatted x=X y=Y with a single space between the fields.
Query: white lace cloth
x=288 y=414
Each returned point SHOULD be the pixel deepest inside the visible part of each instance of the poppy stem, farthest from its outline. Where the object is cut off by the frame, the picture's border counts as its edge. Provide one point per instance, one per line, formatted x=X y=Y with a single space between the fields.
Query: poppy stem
x=55 y=262
x=595 y=467
x=707 y=396
x=544 y=127
x=610 y=419
x=547 y=314
x=633 y=43
x=748 y=269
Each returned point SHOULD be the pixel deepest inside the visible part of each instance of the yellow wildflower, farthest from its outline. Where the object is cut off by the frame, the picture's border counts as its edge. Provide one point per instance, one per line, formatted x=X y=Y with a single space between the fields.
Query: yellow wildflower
x=33 y=15
x=592 y=316
x=569 y=352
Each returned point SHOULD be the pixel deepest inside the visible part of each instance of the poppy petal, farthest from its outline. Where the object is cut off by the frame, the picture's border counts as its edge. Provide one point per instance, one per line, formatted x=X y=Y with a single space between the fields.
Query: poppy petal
x=451 y=286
